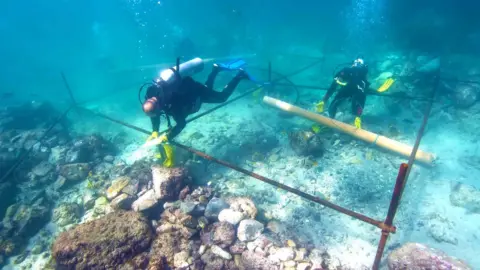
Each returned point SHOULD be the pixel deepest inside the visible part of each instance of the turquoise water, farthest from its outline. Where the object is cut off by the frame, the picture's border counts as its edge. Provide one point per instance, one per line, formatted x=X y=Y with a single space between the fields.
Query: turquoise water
x=108 y=49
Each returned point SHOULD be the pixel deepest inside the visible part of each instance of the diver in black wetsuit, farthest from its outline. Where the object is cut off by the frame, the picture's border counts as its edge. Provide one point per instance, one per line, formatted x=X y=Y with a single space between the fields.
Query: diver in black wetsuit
x=354 y=86
x=185 y=100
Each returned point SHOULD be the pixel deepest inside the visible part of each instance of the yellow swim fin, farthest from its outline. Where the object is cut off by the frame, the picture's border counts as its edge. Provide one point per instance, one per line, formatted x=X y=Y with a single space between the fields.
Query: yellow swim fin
x=386 y=85
x=169 y=155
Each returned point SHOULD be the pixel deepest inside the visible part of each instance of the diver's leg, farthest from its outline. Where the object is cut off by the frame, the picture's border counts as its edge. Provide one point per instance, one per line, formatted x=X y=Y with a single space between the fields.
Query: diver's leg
x=211 y=77
x=332 y=109
x=212 y=96
x=339 y=98
x=358 y=103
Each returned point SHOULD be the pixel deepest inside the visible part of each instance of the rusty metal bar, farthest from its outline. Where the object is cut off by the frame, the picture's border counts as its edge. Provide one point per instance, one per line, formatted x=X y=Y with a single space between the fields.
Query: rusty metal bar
x=297 y=192
x=22 y=157
x=304 y=195
x=402 y=177
x=392 y=210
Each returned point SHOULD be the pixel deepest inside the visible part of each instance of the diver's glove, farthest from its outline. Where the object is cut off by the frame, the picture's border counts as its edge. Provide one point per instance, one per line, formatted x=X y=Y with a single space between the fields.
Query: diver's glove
x=358 y=122
x=154 y=139
x=319 y=106
x=163 y=138
x=153 y=136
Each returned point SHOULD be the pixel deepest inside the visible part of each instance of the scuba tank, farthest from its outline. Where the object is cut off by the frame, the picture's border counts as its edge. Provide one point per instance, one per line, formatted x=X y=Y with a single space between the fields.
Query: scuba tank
x=189 y=68
x=169 y=79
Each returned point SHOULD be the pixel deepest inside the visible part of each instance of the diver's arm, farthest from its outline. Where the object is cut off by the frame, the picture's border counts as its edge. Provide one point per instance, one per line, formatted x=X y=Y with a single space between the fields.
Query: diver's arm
x=155 y=123
x=330 y=91
x=333 y=85
x=179 y=126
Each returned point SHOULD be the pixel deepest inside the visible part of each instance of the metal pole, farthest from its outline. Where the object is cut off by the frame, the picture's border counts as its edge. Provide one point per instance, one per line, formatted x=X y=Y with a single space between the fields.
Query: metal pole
x=68 y=88
x=402 y=177
x=392 y=210
x=304 y=195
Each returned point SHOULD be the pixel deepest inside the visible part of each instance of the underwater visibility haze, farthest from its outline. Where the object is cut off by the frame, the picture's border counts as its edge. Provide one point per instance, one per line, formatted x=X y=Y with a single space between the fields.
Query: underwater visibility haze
x=181 y=134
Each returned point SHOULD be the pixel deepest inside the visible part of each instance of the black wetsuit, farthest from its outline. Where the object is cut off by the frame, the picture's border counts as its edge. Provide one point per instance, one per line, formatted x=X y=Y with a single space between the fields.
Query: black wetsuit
x=356 y=87
x=188 y=98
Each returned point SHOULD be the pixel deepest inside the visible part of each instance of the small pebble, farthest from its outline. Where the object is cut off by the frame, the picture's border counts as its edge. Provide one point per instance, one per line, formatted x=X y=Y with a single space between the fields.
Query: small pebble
x=290 y=243
x=203 y=199
x=220 y=252
x=37 y=249
x=303 y=266
x=290 y=264
x=260 y=251
x=281 y=166
x=201 y=250
x=251 y=246
x=300 y=254
x=238 y=259
x=109 y=159
x=202 y=222
x=20 y=258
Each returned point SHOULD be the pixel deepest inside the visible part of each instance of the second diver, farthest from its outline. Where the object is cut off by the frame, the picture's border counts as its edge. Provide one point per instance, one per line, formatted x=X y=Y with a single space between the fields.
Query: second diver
x=354 y=86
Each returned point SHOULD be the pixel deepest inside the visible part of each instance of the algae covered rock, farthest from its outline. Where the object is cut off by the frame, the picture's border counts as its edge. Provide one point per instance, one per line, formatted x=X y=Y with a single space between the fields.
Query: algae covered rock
x=166 y=247
x=214 y=207
x=252 y=260
x=75 y=172
x=116 y=187
x=105 y=243
x=21 y=222
x=465 y=196
x=306 y=143
x=418 y=256
x=89 y=148
x=243 y=205
x=231 y=216
x=249 y=230
x=426 y=65
x=122 y=201
x=168 y=182
x=67 y=213
x=145 y=202
x=42 y=169
x=219 y=233
x=465 y=96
